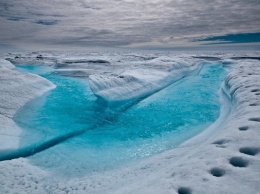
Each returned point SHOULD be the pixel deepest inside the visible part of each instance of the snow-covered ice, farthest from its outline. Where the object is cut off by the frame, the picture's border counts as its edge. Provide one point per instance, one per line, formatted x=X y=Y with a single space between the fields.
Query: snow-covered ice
x=222 y=159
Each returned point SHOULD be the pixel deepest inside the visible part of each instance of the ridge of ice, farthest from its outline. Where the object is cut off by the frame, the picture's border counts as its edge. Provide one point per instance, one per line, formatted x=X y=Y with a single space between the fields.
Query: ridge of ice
x=139 y=81
x=4 y=64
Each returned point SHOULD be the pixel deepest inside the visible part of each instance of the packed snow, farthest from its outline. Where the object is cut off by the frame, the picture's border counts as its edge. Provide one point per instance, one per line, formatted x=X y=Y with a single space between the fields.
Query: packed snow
x=222 y=159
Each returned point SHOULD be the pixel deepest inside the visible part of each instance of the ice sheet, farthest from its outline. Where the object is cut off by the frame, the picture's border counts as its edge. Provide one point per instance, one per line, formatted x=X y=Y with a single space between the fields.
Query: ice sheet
x=227 y=161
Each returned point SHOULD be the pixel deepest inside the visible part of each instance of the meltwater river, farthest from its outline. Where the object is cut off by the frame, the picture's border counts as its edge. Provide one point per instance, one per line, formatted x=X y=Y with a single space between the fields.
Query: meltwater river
x=87 y=136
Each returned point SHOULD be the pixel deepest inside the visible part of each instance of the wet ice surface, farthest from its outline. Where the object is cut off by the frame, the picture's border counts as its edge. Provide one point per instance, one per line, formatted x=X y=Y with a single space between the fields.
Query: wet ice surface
x=115 y=135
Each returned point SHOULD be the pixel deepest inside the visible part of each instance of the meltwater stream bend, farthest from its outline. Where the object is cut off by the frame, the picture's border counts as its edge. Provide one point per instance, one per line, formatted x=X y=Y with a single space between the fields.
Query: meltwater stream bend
x=91 y=137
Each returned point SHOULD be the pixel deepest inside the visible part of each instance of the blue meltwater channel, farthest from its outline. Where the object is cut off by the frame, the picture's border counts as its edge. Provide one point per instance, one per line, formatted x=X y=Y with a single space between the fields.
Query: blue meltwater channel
x=110 y=137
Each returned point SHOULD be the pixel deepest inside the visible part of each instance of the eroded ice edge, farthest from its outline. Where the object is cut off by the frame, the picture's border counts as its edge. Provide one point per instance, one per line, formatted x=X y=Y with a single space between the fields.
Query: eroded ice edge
x=227 y=156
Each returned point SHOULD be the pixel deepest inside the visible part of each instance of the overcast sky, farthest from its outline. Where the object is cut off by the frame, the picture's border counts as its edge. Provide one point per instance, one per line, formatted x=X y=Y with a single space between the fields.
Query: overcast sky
x=123 y=23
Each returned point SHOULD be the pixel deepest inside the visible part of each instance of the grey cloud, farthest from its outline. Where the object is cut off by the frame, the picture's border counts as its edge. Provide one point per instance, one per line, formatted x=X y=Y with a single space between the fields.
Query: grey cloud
x=93 y=37
x=126 y=22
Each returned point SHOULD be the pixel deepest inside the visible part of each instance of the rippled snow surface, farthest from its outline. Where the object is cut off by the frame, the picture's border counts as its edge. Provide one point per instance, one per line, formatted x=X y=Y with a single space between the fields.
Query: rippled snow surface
x=114 y=136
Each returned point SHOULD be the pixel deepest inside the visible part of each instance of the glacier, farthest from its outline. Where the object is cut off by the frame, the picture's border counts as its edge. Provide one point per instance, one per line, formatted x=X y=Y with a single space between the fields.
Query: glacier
x=224 y=160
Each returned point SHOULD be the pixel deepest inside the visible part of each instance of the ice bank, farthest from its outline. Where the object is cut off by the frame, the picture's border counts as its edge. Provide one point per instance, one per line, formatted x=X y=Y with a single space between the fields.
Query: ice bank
x=139 y=82
x=16 y=90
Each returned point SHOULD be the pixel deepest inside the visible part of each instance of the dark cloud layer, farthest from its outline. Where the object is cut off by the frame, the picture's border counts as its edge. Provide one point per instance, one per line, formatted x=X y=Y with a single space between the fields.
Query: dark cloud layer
x=123 y=23
x=46 y=22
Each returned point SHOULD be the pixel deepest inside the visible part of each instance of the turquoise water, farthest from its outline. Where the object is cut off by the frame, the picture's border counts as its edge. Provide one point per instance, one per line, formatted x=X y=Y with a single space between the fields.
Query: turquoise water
x=98 y=137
